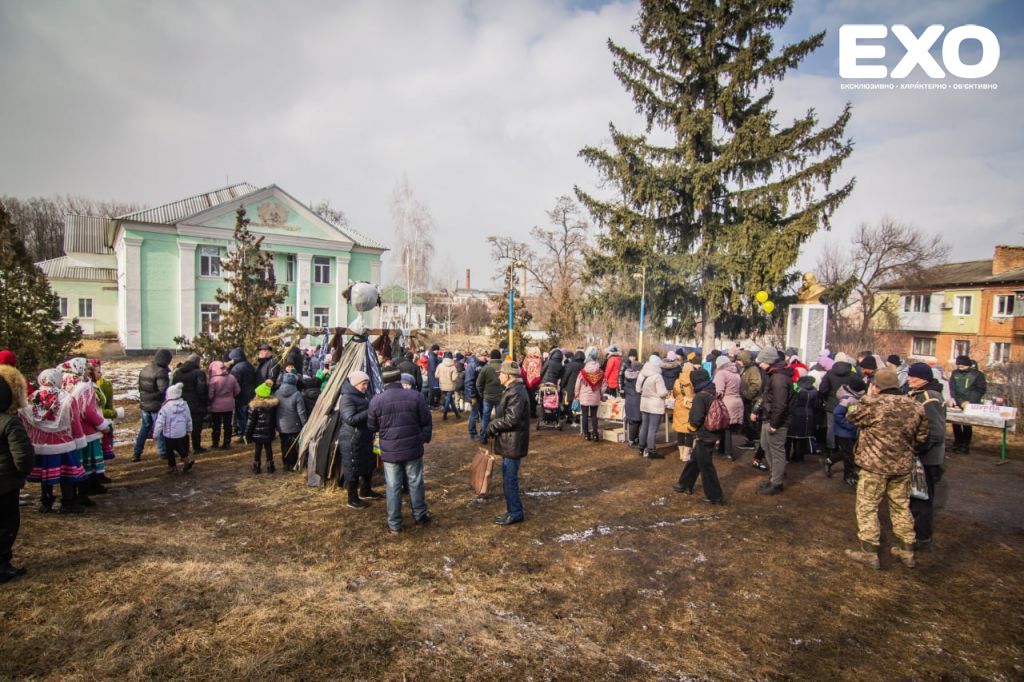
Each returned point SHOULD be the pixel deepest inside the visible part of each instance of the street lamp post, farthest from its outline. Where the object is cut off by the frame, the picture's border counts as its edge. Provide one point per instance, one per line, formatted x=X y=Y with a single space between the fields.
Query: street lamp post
x=512 y=303
x=642 y=277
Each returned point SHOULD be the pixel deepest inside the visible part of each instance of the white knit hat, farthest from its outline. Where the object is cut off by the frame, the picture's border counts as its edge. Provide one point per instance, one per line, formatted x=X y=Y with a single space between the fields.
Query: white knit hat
x=356 y=377
x=174 y=391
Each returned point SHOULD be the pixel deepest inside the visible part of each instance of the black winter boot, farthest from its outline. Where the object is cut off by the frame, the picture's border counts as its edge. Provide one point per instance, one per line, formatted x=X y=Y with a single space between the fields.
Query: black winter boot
x=270 y=464
x=256 y=468
x=353 y=496
x=46 y=500
x=68 y=503
x=365 y=492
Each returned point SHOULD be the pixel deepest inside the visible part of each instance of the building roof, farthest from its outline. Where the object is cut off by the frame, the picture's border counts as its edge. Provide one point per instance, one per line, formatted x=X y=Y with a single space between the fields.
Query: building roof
x=63 y=268
x=86 y=234
x=967 y=273
x=396 y=294
x=176 y=211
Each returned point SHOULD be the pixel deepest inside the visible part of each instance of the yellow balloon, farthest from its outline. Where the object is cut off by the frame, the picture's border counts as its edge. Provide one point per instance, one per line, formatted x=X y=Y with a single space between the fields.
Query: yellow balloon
x=769 y=306
x=761 y=296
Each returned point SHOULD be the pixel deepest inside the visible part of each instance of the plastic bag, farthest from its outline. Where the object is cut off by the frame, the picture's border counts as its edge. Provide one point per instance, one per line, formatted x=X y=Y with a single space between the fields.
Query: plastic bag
x=918 y=482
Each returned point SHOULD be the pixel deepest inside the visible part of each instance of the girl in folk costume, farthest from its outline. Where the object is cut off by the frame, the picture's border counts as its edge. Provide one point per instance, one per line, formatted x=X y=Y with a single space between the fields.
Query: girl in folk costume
x=48 y=421
x=590 y=387
x=88 y=425
x=105 y=398
x=532 y=365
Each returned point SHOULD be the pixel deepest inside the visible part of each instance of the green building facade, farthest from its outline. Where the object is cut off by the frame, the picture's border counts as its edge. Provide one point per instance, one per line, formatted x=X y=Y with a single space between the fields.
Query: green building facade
x=152 y=275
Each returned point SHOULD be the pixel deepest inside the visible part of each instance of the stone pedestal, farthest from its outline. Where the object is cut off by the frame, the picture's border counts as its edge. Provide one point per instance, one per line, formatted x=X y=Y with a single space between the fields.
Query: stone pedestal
x=807 y=330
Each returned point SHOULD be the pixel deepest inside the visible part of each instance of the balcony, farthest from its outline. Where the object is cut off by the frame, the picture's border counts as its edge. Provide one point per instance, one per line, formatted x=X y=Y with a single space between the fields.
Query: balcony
x=1018 y=325
x=921 y=322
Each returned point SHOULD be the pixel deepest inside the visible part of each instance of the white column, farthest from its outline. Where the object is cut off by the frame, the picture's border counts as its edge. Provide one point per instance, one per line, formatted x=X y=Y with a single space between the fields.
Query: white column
x=187 y=288
x=375 y=280
x=340 y=284
x=303 y=284
x=132 y=332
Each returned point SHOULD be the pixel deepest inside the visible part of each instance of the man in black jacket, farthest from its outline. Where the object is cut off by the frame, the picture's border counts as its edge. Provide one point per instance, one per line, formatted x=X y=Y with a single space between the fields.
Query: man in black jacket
x=153 y=382
x=16 y=459
x=488 y=387
x=926 y=390
x=267 y=368
x=511 y=432
x=774 y=417
x=245 y=374
x=196 y=394
x=568 y=386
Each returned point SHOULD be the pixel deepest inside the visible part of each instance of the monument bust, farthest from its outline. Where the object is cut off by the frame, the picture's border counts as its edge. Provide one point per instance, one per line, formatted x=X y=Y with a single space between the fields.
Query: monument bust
x=811 y=291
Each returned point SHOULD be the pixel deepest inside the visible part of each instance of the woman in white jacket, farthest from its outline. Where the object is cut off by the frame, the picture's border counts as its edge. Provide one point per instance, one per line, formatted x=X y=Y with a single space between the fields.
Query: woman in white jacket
x=651 y=387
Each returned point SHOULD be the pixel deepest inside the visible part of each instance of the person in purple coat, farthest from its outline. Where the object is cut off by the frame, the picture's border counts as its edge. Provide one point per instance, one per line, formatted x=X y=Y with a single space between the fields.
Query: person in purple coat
x=404 y=424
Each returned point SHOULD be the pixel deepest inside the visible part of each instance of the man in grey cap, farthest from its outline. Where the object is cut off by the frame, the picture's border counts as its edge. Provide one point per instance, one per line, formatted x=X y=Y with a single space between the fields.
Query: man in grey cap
x=774 y=417
x=511 y=433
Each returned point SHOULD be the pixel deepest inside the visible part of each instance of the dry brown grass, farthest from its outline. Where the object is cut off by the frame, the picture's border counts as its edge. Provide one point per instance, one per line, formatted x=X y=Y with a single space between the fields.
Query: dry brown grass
x=222 y=574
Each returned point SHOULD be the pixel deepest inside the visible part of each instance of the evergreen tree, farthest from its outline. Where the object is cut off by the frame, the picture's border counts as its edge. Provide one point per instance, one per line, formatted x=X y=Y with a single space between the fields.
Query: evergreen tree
x=719 y=211
x=30 y=322
x=249 y=302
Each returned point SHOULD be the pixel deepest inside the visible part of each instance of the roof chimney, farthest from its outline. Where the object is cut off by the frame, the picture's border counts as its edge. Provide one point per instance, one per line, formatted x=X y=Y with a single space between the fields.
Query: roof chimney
x=467 y=279
x=1007 y=258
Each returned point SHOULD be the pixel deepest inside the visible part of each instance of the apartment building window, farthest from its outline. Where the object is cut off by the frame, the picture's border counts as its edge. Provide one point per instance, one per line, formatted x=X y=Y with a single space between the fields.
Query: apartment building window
x=923 y=347
x=1000 y=354
x=321 y=270
x=85 y=308
x=962 y=305
x=209 y=317
x=321 y=317
x=961 y=347
x=917 y=303
x=62 y=306
x=1003 y=306
x=289 y=268
x=209 y=261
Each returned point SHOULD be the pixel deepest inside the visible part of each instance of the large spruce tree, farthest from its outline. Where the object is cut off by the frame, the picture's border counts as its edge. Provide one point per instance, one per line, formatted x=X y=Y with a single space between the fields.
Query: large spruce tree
x=249 y=301
x=718 y=211
x=30 y=321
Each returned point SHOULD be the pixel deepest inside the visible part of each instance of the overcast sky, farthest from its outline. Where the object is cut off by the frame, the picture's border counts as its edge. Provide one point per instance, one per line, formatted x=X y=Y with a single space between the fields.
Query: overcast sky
x=483 y=105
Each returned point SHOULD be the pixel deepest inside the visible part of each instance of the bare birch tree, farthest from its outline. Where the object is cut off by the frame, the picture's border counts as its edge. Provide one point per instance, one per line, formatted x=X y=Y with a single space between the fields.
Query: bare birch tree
x=414 y=234
x=879 y=254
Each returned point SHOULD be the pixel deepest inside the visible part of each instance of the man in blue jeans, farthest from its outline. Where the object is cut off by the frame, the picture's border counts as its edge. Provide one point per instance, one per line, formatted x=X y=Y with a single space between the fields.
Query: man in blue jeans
x=511 y=432
x=153 y=381
x=404 y=423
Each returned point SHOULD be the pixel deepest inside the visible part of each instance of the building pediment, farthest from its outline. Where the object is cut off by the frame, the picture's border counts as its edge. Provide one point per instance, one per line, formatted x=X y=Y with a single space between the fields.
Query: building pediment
x=272 y=212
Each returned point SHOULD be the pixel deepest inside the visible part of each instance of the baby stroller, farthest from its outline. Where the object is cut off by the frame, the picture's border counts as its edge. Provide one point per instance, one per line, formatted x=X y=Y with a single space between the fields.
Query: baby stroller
x=547 y=395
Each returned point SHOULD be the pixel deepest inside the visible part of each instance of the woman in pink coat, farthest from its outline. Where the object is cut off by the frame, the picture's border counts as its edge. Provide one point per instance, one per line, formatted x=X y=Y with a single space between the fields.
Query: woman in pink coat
x=88 y=426
x=223 y=389
x=47 y=419
x=590 y=387
x=727 y=384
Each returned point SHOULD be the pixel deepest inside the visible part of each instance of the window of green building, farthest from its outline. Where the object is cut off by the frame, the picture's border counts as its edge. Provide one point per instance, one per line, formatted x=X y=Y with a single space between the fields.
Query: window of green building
x=321 y=270
x=209 y=261
x=321 y=317
x=209 y=317
x=85 y=308
x=62 y=306
x=289 y=268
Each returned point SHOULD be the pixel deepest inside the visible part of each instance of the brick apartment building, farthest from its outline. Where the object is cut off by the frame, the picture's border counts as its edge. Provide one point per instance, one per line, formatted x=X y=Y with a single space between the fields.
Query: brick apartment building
x=973 y=308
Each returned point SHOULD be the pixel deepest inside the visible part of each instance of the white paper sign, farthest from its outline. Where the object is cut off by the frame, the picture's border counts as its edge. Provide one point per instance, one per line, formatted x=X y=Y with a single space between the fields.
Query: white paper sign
x=1001 y=411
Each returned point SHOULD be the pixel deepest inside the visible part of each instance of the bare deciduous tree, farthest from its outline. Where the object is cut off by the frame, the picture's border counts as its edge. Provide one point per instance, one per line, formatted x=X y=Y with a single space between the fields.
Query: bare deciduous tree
x=335 y=216
x=556 y=267
x=878 y=255
x=39 y=221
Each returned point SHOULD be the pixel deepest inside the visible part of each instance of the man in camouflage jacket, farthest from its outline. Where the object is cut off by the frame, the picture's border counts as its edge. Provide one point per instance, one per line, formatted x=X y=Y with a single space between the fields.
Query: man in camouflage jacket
x=892 y=427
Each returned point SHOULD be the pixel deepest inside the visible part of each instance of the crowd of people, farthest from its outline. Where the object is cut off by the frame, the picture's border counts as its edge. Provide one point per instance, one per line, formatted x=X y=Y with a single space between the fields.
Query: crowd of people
x=878 y=417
